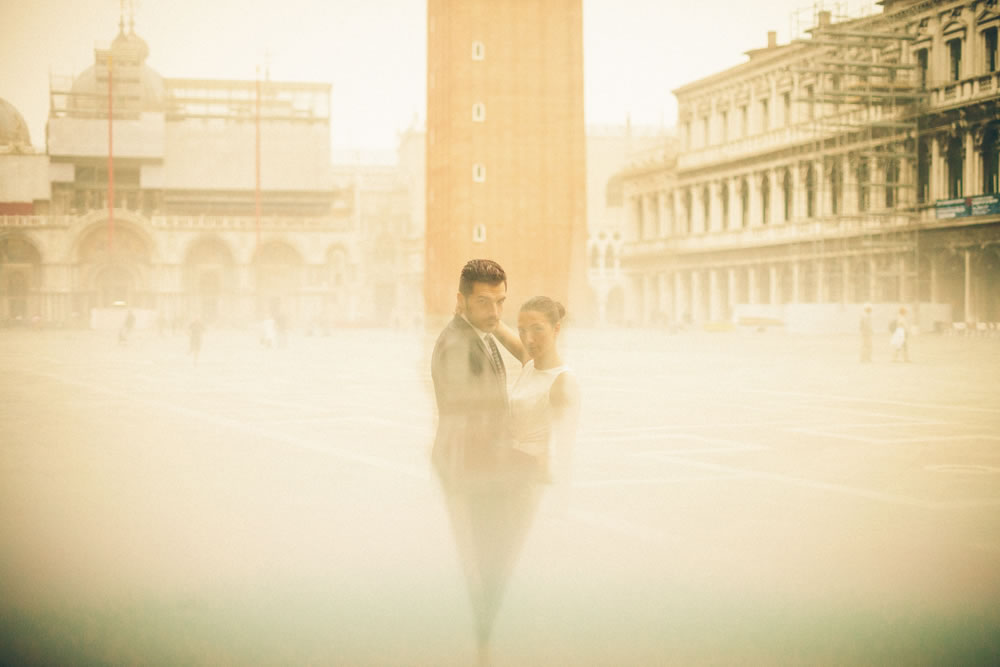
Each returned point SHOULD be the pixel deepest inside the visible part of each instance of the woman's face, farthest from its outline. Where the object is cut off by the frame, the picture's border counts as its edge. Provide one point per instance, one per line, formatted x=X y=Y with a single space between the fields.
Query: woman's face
x=537 y=334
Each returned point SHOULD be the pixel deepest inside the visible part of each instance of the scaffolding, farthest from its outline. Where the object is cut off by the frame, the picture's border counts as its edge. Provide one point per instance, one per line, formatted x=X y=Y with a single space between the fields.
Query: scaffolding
x=864 y=109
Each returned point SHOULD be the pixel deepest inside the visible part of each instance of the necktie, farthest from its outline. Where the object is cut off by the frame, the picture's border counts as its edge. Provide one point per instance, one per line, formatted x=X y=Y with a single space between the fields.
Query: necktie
x=497 y=361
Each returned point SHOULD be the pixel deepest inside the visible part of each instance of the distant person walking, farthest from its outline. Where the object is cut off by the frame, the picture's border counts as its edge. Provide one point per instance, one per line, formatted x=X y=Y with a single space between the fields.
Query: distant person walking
x=127 y=327
x=195 y=331
x=899 y=340
x=866 y=334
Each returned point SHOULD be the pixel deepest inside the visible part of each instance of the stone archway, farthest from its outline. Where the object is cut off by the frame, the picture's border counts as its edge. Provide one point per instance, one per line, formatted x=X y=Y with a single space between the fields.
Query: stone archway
x=20 y=279
x=113 y=269
x=278 y=275
x=615 y=309
x=210 y=282
x=988 y=285
x=339 y=276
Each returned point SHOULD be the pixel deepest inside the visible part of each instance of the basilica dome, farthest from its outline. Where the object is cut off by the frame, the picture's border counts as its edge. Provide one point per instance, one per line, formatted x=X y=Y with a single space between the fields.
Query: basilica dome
x=129 y=53
x=13 y=129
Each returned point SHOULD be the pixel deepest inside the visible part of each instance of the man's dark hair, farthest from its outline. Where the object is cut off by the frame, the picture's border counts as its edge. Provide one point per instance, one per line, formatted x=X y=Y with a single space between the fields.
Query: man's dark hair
x=480 y=271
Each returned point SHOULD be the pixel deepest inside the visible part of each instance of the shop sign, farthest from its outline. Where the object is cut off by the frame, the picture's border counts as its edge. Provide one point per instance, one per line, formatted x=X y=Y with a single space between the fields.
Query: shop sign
x=966 y=206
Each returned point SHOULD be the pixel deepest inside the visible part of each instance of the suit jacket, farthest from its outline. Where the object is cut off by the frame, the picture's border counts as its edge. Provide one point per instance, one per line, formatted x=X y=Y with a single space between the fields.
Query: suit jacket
x=472 y=404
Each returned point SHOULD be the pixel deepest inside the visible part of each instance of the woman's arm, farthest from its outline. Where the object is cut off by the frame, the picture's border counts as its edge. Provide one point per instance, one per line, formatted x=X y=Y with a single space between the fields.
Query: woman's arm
x=564 y=399
x=510 y=340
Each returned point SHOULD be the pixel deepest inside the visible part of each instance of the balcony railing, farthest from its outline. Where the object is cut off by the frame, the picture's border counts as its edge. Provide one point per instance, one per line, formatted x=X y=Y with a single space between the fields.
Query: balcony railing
x=817 y=129
x=36 y=220
x=214 y=222
x=966 y=90
x=770 y=235
x=244 y=223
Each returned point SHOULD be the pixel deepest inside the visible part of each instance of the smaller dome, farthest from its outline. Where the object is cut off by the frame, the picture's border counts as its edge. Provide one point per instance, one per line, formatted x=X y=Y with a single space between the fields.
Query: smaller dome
x=13 y=129
x=132 y=45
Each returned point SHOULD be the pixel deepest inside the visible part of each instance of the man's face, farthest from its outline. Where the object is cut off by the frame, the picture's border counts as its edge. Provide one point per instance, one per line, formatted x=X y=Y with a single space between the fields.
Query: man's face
x=484 y=306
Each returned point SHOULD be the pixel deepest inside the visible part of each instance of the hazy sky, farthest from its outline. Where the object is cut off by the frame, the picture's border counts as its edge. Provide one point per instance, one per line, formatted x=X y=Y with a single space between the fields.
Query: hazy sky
x=374 y=51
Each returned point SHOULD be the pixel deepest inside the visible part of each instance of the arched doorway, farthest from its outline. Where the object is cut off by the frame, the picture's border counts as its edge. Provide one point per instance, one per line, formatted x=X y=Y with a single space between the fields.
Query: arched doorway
x=951 y=284
x=861 y=289
x=615 y=312
x=988 y=285
x=114 y=286
x=113 y=270
x=210 y=281
x=339 y=276
x=20 y=277
x=17 y=296
x=278 y=271
x=764 y=284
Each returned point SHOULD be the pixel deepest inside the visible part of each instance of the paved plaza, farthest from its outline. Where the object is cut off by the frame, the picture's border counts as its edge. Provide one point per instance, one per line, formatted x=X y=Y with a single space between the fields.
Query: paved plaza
x=738 y=497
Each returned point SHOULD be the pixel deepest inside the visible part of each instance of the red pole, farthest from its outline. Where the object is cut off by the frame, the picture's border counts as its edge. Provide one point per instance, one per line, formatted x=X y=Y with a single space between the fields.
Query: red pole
x=257 y=161
x=111 y=168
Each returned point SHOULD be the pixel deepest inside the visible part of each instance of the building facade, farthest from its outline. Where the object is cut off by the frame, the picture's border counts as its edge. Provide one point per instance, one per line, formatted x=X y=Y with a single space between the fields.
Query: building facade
x=505 y=146
x=858 y=164
x=224 y=204
x=609 y=150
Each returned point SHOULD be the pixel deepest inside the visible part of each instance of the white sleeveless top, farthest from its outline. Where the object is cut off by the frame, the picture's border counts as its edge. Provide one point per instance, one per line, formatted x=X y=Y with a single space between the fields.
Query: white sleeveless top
x=530 y=417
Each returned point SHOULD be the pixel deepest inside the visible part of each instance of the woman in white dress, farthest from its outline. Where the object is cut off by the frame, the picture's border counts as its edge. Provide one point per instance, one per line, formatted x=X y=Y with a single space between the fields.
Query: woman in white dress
x=545 y=399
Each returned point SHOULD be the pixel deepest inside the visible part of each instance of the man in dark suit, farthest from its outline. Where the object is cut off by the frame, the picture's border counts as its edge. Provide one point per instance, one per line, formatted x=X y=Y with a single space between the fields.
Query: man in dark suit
x=470 y=380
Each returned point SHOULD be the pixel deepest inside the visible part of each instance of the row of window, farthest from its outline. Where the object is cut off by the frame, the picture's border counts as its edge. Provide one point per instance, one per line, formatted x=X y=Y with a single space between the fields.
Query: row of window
x=953 y=163
x=757 y=120
x=836 y=196
x=954 y=174
x=954 y=50
x=479 y=116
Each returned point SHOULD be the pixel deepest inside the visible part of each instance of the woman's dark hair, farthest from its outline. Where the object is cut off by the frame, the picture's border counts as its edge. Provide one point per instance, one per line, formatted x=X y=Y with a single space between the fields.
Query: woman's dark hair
x=480 y=271
x=553 y=310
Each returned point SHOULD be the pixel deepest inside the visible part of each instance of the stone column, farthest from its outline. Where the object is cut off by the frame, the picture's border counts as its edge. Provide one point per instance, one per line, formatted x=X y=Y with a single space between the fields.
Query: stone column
x=697 y=297
x=677 y=200
x=776 y=177
x=935 y=286
x=753 y=189
x=936 y=180
x=820 y=280
x=714 y=297
x=665 y=291
x=876 y=193
x=714 y=208
x=645 y=217
x=775 y=286
x=650 y=300
x=969 y=310
x=904 y=295
x=796 y=278
x=680 y=300
x=845 y=280
x=633 y=218
x=849 y=190
x=730 y=292
x=971 y=52
x=906 y=196
x=697 y=210
x=872 y=279
x=633 y=298
x=969 y=163
x=825 y=191
x=753 y=289
x=666 y=213
x=821 y=195
x=798 y=210
x=734 y=204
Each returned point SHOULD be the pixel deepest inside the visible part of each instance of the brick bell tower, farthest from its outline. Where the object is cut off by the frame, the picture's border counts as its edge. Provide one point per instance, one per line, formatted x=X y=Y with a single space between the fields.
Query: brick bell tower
x=506 y=173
